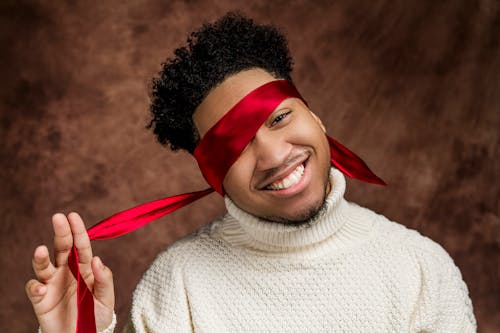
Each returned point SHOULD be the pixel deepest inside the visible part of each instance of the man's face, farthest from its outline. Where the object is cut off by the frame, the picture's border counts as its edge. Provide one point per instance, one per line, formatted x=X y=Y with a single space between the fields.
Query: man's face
x=282 y=175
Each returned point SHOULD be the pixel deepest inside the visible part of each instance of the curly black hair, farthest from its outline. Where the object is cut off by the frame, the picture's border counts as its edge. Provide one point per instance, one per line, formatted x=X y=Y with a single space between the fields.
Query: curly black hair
x=216 y=51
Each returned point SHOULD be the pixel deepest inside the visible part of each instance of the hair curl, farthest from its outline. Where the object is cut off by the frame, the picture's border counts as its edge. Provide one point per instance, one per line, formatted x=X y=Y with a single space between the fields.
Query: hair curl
x=216 y=51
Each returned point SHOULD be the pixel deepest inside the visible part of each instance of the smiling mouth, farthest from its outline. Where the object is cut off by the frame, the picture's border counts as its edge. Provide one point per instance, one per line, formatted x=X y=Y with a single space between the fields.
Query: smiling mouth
x=292 y=179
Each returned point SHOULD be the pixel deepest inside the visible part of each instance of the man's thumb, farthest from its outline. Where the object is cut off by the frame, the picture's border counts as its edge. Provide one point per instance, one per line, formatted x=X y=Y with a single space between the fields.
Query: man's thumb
x=103 y=283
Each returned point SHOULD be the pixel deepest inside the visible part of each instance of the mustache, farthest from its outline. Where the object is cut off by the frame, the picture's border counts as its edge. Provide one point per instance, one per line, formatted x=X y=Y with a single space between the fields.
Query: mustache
x=272 y=174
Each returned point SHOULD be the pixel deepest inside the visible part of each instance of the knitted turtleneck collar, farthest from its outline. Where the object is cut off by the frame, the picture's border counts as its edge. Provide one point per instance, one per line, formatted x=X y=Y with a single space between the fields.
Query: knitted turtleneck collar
x=341 y=225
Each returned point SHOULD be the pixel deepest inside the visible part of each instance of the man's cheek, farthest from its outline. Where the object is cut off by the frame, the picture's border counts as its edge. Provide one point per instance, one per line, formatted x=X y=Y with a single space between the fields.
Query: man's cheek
x=238 y=178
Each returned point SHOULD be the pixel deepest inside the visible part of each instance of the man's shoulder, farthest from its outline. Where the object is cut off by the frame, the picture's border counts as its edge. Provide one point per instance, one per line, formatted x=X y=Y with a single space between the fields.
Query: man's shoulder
x=402 y=236
x=193 y=247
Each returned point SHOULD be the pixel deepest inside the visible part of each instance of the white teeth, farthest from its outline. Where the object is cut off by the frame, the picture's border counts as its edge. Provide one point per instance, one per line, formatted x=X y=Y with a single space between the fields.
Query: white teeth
x=290 y=180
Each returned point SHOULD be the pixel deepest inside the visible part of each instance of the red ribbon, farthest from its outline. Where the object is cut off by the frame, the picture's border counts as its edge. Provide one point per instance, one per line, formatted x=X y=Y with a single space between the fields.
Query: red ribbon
x=351 y=164
x=219 y=148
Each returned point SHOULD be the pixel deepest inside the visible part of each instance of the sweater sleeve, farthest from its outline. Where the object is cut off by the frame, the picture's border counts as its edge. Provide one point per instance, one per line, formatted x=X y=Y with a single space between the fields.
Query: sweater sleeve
x=160 y=302
x=111 y=326
x=443 y=304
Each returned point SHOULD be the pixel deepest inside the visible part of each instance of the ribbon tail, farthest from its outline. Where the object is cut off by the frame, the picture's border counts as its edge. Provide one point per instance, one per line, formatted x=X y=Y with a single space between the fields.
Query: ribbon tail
x=128 y=220
x=85 y=322
x=117 y=225
x=351 y=164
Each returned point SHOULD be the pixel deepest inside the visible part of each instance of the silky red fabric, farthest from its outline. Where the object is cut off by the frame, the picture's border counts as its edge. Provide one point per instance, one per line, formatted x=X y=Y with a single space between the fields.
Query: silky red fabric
x=221 y=146
x=350 y=164
x=217 y=151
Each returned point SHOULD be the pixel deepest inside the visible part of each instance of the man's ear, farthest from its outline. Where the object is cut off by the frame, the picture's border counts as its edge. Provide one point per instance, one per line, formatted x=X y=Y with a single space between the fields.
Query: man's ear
x=320 y=123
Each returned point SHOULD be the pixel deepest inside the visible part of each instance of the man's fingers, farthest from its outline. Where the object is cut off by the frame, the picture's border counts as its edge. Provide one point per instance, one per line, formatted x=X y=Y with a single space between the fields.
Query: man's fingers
x=82 y=243
x=42 y=266
x=103 y=283
x=63 y=240
x=80 y=238
x=35 y=291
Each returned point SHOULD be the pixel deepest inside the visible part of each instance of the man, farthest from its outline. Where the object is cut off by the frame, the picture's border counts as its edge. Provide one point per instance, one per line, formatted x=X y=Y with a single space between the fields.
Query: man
x=291 y=255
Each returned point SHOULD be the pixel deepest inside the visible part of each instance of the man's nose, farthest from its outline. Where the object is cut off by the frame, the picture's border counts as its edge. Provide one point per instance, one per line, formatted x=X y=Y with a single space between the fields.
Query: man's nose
x=271 y=149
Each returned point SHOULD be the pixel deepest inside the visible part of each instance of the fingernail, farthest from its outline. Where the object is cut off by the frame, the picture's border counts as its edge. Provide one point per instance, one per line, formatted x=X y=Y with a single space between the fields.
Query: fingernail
x=100 y=264
x=40 y=289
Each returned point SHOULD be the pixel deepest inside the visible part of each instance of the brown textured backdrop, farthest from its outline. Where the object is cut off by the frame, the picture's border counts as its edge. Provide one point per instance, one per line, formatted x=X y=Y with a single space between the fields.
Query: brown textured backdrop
x=412 y=86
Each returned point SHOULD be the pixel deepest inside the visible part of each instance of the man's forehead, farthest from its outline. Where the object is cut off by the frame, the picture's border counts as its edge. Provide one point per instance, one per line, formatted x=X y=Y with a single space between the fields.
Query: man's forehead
x=227 y=94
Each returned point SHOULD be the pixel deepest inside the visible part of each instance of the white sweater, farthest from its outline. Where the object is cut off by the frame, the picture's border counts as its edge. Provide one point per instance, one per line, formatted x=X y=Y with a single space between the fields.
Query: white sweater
x=351 y=270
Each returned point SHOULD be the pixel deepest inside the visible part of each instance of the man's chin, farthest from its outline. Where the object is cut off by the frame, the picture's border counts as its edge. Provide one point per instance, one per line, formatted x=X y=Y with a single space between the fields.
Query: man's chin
x=302 y=217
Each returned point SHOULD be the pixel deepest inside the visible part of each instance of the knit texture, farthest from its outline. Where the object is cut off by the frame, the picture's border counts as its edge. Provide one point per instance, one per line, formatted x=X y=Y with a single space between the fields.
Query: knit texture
x=350 y=270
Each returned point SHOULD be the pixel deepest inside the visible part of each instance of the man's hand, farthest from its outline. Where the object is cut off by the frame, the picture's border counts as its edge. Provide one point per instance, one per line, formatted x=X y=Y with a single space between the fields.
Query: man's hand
x=53 y=294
